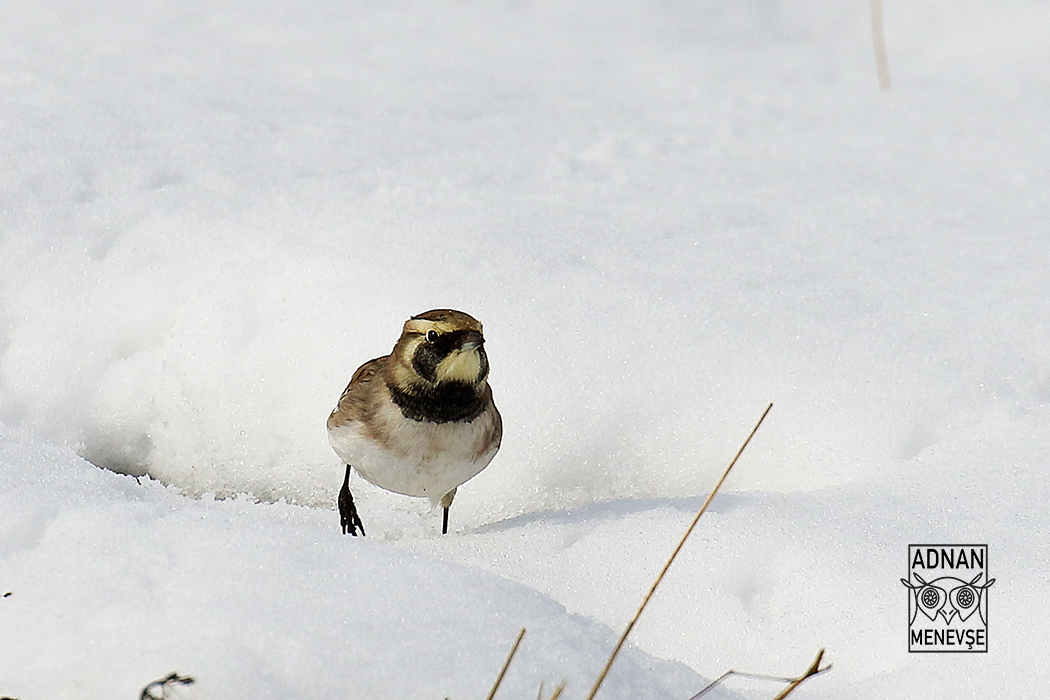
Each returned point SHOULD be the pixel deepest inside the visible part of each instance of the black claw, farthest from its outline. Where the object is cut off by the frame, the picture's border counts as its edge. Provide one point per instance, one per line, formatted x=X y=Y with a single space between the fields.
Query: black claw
x=444 y=521
x=348 y=517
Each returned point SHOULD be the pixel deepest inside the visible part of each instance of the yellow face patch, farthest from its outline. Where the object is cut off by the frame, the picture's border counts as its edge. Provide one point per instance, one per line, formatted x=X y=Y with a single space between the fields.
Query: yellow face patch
x=460 y=366
x=404 y=375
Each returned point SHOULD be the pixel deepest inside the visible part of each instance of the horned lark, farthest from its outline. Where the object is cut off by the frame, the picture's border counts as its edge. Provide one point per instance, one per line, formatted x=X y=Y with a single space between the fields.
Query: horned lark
x=421 y=420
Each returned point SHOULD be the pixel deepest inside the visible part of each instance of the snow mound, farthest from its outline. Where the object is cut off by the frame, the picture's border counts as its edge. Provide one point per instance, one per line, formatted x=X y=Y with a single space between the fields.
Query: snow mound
x=114 y=582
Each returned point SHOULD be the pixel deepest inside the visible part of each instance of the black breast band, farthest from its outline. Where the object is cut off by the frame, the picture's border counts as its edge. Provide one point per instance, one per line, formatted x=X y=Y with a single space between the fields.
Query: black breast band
x=446 y=403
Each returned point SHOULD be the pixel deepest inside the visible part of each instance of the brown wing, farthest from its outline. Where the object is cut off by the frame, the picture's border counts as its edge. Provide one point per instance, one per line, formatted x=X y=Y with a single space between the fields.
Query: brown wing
x=358 y=400
x=497 y=427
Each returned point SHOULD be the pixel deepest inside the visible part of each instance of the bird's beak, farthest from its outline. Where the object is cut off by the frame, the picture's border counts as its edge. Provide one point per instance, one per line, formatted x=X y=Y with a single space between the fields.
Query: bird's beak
x=471 y=341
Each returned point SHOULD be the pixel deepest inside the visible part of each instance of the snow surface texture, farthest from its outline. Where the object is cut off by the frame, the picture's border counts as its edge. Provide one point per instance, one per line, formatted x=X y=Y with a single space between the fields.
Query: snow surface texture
x=666 y=214
x=125 y=581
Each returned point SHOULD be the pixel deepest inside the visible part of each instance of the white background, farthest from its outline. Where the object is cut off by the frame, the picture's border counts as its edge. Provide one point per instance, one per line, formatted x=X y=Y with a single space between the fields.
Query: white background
x=667 y=214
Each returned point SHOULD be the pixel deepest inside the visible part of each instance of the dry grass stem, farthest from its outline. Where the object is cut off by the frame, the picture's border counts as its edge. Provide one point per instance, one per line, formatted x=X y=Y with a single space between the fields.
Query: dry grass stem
x=814 y=669
x=878 y=38
x=743 y=674
x=663 y=572
x=506 y=664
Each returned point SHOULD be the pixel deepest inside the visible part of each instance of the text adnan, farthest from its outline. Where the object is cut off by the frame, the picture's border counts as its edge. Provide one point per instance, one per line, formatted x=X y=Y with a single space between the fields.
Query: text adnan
x=948 y=558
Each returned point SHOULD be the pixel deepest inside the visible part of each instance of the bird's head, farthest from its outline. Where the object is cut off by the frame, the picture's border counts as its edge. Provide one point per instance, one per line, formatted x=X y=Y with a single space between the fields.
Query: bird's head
x=438 y=347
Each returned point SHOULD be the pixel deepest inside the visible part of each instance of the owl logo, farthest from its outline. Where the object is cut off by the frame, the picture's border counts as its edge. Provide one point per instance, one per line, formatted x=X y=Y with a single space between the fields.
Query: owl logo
x=948 y=597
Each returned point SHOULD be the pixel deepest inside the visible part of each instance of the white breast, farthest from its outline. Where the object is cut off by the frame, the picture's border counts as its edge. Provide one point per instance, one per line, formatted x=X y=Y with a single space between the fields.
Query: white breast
x=421 y=459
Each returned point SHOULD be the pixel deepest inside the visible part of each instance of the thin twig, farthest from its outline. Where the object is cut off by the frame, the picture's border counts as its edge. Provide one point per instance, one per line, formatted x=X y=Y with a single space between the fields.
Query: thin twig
x=743 y=674
x=663 y=572
x=506 y=665
x=814 y=669
x=878 y=38
x=557 y=691
x=162 y=685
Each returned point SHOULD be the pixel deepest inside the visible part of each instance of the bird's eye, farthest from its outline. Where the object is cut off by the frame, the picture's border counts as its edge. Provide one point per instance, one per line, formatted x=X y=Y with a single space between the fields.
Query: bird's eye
x=432 y=336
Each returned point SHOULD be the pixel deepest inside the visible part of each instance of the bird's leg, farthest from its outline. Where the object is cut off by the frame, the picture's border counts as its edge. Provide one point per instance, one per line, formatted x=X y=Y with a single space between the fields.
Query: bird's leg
x=348 y=516
x=446 y=501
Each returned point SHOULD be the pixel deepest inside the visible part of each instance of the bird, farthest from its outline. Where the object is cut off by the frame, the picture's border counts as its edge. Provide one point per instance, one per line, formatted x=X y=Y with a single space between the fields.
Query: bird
x=420 y=421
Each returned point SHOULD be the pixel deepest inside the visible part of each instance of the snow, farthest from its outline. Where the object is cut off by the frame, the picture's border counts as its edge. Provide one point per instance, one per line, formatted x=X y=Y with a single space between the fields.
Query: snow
x=115 y=580
x=665 y=214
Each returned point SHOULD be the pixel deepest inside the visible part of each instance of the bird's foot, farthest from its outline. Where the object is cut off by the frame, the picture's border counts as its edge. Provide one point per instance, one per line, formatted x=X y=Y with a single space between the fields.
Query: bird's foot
x=446 y=501
x=348 y=517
